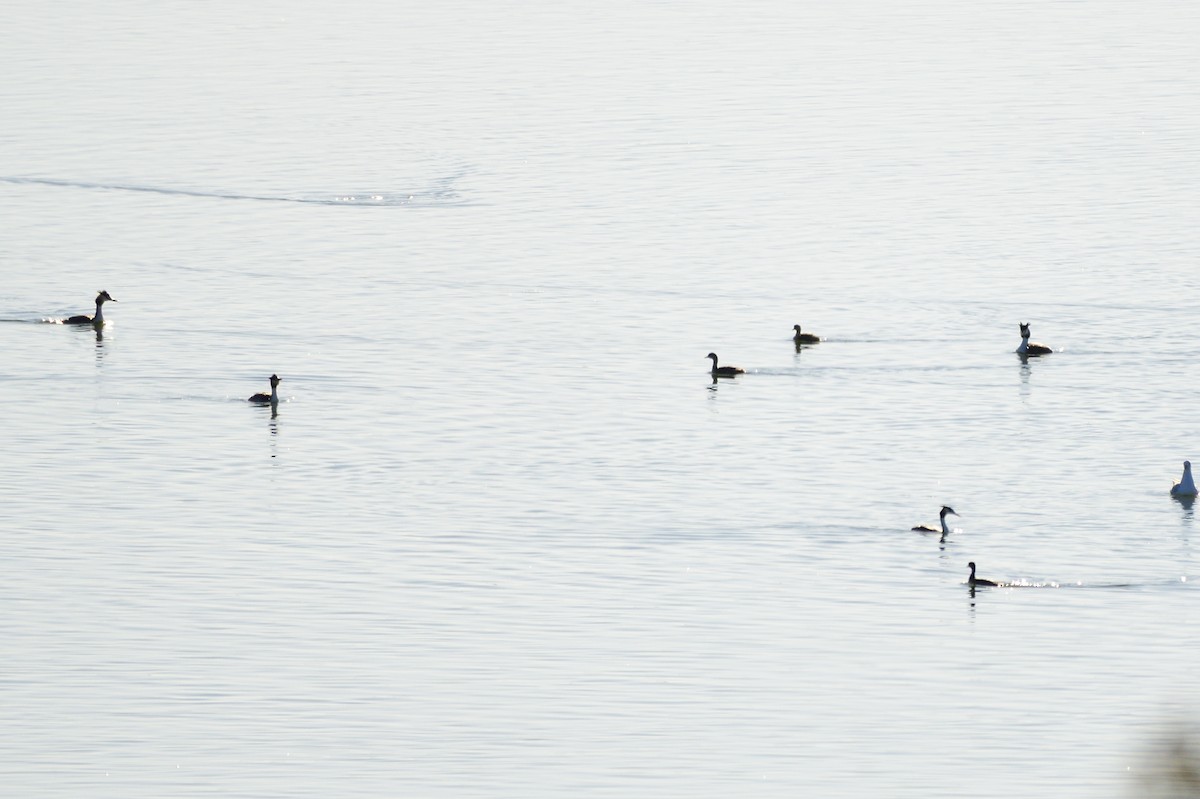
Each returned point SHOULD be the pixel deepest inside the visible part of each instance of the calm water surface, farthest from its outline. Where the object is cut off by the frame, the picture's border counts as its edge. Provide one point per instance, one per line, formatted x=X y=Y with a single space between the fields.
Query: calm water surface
x=504 y=537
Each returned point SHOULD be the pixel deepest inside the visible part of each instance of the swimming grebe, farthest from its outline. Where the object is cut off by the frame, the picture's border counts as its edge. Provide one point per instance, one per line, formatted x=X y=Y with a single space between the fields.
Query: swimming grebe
x=974 y=581
x=1027 y=348
x=273 y=397
x=724 y=371
x=804 y=338
x=98 y=319
x=1185 y=487
x=925 y=528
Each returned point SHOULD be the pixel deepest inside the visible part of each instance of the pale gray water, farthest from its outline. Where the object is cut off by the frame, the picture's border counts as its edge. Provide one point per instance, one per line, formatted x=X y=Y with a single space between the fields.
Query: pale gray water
x=504 y=538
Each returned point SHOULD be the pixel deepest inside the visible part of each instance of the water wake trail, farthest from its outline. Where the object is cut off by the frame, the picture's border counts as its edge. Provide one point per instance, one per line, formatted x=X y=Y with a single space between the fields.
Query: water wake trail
x=441 y=194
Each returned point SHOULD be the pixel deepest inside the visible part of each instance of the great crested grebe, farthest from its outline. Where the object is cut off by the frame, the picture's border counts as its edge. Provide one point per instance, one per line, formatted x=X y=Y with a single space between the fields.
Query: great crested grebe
x=804 y=338
x=973 y=581
x=724 y=371
x=925 y=528
x=1186 y=487
x=98 y=319
x=273 y=397
x=1028 y=348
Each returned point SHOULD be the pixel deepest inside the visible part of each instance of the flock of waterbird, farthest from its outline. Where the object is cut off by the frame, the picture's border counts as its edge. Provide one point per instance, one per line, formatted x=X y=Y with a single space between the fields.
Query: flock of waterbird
x=97 y=322
x=1184 y=489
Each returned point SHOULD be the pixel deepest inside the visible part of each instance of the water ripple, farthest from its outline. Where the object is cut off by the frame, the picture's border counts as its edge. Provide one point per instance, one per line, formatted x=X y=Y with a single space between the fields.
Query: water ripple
x=441 y=193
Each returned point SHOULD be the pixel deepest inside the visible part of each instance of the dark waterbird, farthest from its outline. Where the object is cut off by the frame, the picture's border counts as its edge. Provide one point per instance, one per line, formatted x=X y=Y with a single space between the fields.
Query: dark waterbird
x=974 y=581
x=98 y=319
x=804 y=338
x=724 y=371
x=273 y=397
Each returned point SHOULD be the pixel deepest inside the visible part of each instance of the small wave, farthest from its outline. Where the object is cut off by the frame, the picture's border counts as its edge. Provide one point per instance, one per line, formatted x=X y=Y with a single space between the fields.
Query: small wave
x=442 y=193
x=1081 y=584
x=41 y=320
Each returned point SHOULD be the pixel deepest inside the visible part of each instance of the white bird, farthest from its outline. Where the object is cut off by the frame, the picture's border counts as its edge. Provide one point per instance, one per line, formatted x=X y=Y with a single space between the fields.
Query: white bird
x=1186 y=487
x=1030 y=349
x=925 y=528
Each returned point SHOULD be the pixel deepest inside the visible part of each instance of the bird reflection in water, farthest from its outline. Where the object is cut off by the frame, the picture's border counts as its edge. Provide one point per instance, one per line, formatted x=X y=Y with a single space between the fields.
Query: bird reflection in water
x=1026 y=372
x=99 y=344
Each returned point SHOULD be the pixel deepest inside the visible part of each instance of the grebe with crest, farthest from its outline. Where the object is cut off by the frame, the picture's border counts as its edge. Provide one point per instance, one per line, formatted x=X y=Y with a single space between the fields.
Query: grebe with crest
x=98 y=319
x=273 y=397
x=804 y=338
x=973 y=581
x=724 y=371
x=1028 y=348
x=1186 y=487
x=925 y=528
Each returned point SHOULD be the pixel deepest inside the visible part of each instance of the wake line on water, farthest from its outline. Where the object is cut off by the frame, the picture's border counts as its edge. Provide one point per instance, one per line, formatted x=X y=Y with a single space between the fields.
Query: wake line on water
x=438 y=196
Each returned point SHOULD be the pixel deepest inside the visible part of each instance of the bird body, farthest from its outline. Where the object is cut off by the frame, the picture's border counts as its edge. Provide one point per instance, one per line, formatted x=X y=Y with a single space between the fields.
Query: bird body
x=724 y=371
x=804 y=338
x=273 y=397
x=973 y=581
x=946 y=511
x=1028 y=348
x=98 y=319
x=1186 y=487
